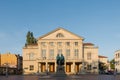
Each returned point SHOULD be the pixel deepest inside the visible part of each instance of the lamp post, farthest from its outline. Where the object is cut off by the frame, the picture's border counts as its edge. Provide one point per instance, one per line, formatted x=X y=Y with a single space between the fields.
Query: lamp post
x=6 y=71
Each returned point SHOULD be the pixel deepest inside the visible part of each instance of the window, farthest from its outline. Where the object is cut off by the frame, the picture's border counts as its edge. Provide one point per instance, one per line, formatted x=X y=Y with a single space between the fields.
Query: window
x=31 y=56
x=89 y=67
x=51 y=44
x=43 y=53
x=31 y=67
x=51 y=53
x=76 y=51
x=76 y=43
x=59 y=43
x=68 y=53
x=43 y=43
x=59 y=51
x=68 y=43
x=89 y=56
x=59 y=35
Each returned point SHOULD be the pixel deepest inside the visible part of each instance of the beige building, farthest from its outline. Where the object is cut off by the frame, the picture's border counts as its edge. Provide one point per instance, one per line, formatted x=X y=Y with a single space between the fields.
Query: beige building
x=78 y=55
x=103 y=59
x=117 y=60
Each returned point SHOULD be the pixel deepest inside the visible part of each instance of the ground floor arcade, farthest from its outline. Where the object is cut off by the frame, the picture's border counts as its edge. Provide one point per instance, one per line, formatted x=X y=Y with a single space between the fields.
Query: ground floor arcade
x=70 y=67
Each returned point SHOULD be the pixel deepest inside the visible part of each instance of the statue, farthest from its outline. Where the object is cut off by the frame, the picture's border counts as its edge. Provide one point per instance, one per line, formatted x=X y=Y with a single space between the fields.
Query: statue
x=60 y=59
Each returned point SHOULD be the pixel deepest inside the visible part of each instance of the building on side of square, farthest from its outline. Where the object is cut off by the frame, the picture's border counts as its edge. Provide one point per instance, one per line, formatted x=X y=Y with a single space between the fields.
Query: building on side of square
x=117 y=60
x=79 y=56
x=12 y=61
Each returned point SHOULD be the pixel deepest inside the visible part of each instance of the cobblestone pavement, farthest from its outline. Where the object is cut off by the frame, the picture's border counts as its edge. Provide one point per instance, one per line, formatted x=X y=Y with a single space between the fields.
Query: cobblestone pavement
x=72 y=77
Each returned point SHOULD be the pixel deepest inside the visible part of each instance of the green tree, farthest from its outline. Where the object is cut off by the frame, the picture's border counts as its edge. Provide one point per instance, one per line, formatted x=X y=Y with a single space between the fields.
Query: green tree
x=30 y=39
x=112 y=64
x=102 y=66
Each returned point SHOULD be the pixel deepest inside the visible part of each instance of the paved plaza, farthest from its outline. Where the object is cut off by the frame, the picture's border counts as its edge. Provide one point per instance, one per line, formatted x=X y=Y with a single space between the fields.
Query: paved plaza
x=71 y=77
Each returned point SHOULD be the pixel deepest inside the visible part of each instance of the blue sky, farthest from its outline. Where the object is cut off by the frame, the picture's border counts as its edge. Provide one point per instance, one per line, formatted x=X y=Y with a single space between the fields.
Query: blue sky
x=98 y=21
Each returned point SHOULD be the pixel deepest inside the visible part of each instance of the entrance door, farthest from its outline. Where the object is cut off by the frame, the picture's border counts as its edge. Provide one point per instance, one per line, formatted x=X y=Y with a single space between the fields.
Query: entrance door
x=76 y=67
x=68 y=67
x=51 y=67
x=43 y=67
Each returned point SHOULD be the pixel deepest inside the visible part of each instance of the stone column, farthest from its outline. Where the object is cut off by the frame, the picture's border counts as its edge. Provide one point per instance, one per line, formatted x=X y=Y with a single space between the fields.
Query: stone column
x=46 y=66
x=55 y=67
x=39 y=67
x=73 y=67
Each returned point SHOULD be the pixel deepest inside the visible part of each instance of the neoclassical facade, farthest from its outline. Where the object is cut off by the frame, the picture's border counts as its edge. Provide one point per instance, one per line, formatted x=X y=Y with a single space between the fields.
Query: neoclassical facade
x=117 y=60
x=79 y=56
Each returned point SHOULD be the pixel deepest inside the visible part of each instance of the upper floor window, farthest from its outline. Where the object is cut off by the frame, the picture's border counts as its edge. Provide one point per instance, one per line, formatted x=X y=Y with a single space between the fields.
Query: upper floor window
x=43 y=43
x=59 y=35
x=31 y=56
x=51 y=53
x=59 y=51
x=76 y=43
x=89 y=56
x=43 y=53
x=59 y=43
x=67 y=52
x=51 y=43
x=68 y=43
x=76 y=51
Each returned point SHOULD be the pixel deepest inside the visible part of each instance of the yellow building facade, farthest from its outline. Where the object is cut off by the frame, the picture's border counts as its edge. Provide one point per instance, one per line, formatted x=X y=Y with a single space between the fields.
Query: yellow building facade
x=78 y=55
x=9 y=59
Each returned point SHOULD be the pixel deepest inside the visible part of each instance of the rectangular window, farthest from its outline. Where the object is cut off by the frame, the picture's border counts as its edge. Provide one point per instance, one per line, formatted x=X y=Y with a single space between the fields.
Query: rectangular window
x=31 y=56
x=59 y=51
x=68 y=43
x=76 y=51
x=59 y=43
x=89 y=56
x=67 y=53
x=43 y=53
x=31 y=67
x=51 y=53
x=76 y=43
x=43 y=43
x=89 y=67
x=51 y=44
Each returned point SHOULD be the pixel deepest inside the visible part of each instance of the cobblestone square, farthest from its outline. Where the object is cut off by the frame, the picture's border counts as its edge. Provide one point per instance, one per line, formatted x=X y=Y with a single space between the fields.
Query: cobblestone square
x=50 y=77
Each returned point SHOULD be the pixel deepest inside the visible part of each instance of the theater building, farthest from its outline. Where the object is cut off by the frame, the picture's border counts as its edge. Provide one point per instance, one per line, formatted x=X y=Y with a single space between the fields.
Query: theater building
x=78 y=55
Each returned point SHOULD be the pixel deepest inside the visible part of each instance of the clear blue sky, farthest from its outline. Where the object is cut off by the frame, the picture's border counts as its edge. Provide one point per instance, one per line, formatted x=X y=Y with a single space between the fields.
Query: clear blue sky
x=98 y=21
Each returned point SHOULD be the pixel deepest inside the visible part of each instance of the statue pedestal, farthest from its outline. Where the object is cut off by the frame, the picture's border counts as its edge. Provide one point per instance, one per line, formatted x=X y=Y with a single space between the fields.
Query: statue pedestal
x=60 y=71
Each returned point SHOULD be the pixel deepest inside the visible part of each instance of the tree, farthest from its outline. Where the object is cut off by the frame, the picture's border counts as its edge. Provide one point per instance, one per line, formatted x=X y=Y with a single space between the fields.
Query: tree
x=112 y=64
x=102 y=66
x=30 y=39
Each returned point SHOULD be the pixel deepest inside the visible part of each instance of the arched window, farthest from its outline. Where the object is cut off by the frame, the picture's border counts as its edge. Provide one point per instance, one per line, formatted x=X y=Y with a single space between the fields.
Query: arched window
x=59 y=35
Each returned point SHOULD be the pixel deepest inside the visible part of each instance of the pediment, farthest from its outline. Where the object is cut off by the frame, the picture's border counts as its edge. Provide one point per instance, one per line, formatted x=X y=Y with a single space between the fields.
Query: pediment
x=60 y=33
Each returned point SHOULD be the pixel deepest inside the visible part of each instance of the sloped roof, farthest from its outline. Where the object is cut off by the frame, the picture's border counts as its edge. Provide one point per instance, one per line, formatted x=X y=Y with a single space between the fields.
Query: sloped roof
x=57 y=30
x=102 y=56
x=88 y=44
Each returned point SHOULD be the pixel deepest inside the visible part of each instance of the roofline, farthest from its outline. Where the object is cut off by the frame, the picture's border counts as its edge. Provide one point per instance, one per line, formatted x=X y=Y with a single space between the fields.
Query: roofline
x=59 y=29
x=102 y=56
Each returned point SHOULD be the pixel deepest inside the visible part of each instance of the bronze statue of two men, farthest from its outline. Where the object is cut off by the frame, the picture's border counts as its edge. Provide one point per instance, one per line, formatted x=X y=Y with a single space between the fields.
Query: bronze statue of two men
x=60 y=59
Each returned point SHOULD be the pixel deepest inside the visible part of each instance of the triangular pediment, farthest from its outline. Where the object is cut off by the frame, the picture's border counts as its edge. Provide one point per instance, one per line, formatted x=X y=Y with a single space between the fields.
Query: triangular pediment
x=60 y=33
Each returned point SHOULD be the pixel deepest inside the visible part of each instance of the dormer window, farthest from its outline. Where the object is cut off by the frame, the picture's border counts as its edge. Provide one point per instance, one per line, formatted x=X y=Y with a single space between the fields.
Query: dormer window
x=59 y=35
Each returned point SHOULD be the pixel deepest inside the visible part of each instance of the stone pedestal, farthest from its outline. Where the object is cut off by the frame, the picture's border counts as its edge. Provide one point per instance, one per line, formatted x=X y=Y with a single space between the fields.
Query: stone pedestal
x=60 y=71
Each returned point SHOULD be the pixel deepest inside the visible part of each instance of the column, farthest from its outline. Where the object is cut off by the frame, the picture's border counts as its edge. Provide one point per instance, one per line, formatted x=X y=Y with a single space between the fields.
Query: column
x=46 y=66
x=55 y=67
x=39 y=67
x=73 y=67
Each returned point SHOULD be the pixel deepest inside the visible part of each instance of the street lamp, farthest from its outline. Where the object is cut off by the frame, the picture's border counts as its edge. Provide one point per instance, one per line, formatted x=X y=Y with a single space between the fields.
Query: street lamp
x=6 y=71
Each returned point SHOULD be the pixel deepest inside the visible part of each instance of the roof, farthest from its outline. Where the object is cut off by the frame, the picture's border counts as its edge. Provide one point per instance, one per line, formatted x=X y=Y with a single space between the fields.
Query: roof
x=102 y=56
x=88 y=44
x=57 y=30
